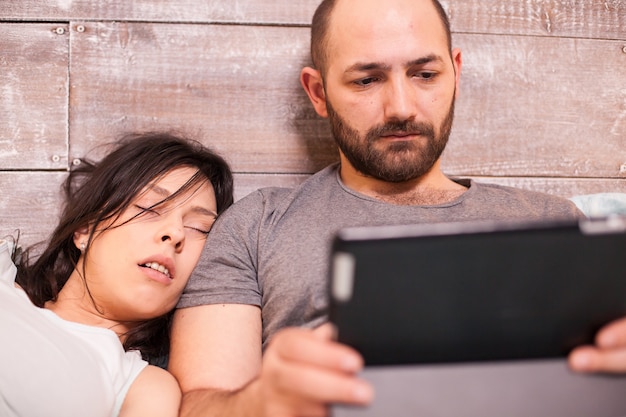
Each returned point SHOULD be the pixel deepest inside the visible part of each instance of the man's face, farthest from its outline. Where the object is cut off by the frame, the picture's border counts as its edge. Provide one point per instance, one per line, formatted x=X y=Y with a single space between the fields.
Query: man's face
x=395 y=161
x=390 y=86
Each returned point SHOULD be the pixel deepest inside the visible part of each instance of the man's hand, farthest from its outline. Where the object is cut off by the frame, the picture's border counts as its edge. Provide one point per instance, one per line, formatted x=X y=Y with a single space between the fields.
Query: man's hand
x=607 y=355
x=304 y=371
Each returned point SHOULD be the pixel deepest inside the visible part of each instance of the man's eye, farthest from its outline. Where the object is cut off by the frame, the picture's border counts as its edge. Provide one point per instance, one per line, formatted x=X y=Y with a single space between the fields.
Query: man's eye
x=363 y=82
x=426 y=75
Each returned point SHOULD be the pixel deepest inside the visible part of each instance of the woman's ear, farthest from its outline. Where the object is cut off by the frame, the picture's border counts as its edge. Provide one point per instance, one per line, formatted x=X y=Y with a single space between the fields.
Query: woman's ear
x=312 y=82
x=81 y=237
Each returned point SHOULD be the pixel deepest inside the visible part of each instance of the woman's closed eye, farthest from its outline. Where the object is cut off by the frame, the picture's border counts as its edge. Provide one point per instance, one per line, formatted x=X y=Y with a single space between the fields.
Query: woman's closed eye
x=202 y=227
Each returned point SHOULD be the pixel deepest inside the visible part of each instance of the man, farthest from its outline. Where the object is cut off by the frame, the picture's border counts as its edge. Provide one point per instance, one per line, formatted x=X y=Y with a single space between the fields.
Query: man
x=386 y=77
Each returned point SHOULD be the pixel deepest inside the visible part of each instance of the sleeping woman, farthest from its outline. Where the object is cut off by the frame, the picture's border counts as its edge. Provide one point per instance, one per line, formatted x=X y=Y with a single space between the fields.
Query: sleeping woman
x=89 y=311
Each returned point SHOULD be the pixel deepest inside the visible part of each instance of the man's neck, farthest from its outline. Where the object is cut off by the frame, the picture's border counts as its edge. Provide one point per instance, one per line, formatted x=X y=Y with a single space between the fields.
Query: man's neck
x=433 y=188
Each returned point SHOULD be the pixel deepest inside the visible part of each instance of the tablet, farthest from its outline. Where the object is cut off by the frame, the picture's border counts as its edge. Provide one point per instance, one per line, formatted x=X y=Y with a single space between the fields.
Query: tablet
x=476 y=291
x=478 y=318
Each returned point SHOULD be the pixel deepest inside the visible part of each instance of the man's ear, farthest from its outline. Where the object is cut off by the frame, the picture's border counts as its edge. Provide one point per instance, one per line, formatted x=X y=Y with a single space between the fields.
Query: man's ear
x=457 y=61
x=313 y=84
x=81 y=236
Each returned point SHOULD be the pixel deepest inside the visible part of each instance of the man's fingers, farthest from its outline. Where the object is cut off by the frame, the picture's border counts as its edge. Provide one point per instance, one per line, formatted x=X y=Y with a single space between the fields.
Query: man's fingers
x=326 y=331
x=306 y=370
x=319 y=385
x=612 y=335
x=591 y=359
x=315 y=348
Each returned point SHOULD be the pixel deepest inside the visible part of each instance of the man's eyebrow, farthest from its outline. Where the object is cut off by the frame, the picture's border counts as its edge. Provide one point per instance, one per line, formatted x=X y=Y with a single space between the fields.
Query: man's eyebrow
x=425 y=60
x=369 y=66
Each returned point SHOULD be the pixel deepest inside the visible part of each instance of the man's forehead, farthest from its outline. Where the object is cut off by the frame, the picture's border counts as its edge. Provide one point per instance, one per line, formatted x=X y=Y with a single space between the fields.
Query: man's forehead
x=367 y=27
x=367 y=13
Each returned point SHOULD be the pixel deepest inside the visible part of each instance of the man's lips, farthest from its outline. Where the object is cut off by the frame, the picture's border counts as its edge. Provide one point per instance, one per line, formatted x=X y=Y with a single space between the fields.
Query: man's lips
x=400 y=135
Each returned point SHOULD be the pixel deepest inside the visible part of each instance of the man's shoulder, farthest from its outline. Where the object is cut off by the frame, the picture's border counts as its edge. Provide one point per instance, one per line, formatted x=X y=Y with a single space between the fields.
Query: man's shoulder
x=515 y=192
x=520 y=201
x=311 y=187
x=268 y=201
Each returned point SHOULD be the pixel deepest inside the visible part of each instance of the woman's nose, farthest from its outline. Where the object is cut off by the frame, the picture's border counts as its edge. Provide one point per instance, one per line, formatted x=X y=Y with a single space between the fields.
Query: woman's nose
x=173 y=232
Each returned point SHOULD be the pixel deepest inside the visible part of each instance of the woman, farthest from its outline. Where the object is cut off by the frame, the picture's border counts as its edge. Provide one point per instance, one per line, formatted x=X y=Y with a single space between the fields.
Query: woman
x=131 y=232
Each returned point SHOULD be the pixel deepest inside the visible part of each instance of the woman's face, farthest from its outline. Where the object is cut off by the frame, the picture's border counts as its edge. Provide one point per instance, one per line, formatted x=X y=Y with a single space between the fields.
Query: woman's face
x=137 y=267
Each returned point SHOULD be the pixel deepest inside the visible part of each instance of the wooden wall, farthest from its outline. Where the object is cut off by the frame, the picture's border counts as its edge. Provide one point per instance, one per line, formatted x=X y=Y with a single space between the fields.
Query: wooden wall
x=542 y=105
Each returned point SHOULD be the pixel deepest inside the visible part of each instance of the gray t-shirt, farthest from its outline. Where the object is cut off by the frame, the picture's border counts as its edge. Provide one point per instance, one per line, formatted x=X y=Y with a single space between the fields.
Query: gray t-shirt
x=271 y=248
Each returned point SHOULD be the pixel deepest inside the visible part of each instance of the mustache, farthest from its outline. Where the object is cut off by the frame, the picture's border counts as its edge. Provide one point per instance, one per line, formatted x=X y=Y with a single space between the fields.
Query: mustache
x=405 y=127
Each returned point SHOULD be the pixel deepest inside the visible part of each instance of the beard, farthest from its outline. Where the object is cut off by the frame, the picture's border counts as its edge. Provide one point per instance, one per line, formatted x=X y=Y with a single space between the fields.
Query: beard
x=394 y=162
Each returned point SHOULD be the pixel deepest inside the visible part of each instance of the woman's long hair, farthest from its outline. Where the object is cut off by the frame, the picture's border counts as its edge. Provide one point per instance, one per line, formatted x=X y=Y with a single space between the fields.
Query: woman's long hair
x=97 y=192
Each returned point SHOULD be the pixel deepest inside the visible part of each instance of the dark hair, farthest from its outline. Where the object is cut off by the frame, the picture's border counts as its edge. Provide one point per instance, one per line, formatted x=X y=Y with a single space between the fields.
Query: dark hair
x=321 y=23
x=96 y=192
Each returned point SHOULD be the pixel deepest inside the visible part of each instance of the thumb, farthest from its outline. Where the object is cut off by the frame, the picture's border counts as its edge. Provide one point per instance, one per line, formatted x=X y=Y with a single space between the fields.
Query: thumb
x=326 y=331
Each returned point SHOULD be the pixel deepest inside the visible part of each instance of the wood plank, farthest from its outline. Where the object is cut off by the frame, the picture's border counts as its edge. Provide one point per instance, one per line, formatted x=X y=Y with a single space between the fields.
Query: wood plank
x=522 y=109
x=564 y=187
x=188 y=11
x=247 y=183
x=30 y=203
x=235 y=86
x=602 y=19
x=33 y=99
x=598 y=19
x=540 y=107
x=35 y=209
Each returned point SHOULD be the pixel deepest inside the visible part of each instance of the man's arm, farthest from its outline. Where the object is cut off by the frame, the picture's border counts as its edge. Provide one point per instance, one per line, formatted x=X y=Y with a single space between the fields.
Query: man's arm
x=216 y=347
x=216 y=357
x=607 y=355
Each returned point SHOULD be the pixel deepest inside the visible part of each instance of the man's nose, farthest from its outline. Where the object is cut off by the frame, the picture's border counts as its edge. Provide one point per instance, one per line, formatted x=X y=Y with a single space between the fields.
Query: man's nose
x=400 y=100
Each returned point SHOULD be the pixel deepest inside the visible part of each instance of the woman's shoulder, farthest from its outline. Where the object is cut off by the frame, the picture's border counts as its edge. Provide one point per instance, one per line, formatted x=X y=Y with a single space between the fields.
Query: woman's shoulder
x=155 y=392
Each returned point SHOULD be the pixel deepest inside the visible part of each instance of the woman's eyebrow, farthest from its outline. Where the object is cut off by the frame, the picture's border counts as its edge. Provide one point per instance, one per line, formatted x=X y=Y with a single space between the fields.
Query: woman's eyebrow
x=204 y=211
x=196 y=209
x=159 y=190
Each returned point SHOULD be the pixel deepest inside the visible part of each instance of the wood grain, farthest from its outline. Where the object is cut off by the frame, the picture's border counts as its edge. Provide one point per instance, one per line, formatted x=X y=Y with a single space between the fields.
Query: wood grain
x=30 y=204
x=527 y=106
x=542 y=102
x=31 y=201
x=599 y=19
x=602 y=19
x=563 y=187
x=33 y=96
x=540 y=107
x=236 y=87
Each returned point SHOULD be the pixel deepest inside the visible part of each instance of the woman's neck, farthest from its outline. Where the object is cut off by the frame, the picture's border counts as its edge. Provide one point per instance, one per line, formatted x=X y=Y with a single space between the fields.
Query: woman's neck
x=74 y=303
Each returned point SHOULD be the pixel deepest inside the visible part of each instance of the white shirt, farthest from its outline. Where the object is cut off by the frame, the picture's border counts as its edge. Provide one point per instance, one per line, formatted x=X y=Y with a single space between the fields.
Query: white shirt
x=54 y=367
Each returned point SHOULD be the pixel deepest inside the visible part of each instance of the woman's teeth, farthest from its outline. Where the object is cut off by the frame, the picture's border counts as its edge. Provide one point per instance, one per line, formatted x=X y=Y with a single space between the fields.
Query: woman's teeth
x=158 y=267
